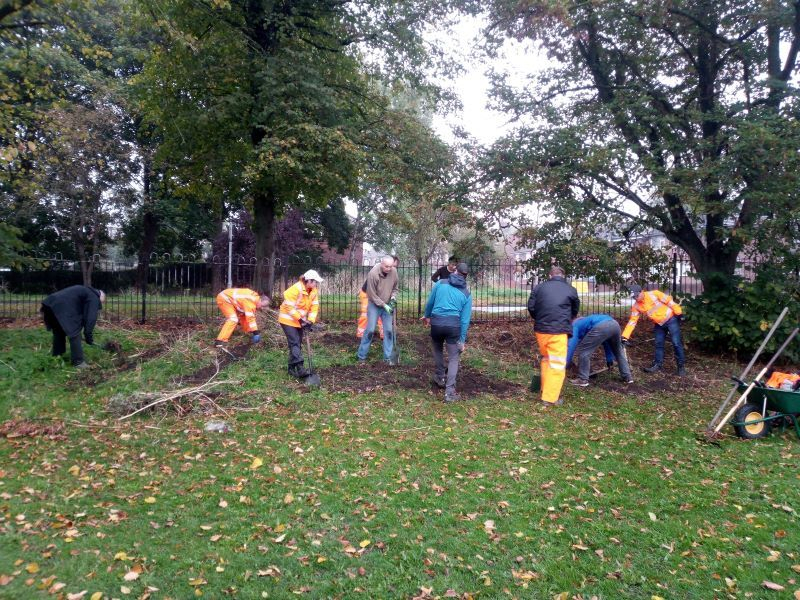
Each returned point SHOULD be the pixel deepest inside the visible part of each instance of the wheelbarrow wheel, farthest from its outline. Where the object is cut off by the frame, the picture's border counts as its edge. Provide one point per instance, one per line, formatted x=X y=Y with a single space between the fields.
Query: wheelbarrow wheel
x=745 y=426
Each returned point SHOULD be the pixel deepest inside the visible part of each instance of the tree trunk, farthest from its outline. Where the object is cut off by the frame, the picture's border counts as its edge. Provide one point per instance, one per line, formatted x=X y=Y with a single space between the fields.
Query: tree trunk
x=264 y=207
x=219 y=263
x=150 y=226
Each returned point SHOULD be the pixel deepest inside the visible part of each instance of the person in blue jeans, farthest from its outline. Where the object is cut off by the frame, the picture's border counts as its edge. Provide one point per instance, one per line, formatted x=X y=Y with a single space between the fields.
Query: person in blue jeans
x=381 y=290
x=588 y=333
x=448 y=311
x=673 y=328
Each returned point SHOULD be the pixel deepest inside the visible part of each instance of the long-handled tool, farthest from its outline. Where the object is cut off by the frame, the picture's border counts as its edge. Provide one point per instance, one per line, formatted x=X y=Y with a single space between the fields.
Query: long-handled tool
x=394 y=357
x=743 y=398
x=713 y=423
x=312 y=379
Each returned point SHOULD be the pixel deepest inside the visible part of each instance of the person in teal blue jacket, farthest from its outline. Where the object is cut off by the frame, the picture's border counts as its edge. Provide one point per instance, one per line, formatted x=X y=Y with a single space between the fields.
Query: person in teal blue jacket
x=588 y=333
x=448 y=311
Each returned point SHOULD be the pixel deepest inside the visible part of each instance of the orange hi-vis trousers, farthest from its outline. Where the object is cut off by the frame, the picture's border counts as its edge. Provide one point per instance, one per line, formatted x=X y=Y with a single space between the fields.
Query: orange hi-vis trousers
x=232 y=318
x=553 y=348
x=361 y=325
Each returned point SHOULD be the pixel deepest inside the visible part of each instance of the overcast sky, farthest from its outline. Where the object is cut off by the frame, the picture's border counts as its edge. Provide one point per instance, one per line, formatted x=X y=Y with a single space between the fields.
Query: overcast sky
x=520 y=60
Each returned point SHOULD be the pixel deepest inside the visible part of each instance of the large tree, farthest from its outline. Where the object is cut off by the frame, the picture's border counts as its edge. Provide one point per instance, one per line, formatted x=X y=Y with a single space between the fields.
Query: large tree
x=286 y=87
x=680 y=116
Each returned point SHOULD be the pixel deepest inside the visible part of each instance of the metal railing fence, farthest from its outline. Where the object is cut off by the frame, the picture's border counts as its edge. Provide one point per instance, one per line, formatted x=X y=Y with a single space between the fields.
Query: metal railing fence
x=186 y=289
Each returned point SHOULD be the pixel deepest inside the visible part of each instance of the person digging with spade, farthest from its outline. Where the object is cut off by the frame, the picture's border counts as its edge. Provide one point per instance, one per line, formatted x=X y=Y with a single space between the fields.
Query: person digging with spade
x=448 y=312
x=239 y=305
x=297 y=314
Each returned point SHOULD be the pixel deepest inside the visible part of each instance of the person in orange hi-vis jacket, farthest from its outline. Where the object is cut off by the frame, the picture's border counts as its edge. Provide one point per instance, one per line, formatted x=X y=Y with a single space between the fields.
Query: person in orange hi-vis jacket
x=666 y=315
x=239 y=305
x=297 y=313
x=361 y=323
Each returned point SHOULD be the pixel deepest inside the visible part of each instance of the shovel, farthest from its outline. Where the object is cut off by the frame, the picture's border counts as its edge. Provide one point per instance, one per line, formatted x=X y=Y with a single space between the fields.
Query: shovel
x=312 y=379
x=394 y=357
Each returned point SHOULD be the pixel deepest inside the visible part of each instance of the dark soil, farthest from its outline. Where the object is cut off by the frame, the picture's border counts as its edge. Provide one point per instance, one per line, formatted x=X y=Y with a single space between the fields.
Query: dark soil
x=376 y=376
x=223 y=360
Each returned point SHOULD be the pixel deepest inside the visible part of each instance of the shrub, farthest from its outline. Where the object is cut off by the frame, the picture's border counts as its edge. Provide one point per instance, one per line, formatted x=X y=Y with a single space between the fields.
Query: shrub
x=733 y=314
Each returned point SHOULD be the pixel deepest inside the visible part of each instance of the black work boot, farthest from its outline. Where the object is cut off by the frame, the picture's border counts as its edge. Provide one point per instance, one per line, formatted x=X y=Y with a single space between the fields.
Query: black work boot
x=681 y=371
x=655 y=367
x=299 y=371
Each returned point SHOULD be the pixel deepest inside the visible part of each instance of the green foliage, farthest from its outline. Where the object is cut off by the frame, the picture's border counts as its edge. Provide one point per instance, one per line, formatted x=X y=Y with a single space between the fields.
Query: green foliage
x=734 y=315
x=637 y=122
x=586 y=256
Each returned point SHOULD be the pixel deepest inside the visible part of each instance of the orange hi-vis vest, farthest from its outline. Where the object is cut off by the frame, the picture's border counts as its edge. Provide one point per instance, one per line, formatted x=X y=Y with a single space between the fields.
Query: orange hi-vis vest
x=298 y=303
x=658 y=306
x=777 y=379
x=244 y=300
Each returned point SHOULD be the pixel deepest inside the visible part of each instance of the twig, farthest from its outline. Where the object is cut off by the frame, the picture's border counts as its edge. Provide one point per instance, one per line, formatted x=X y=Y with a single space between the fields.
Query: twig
x=9 y=366
x=181 y=393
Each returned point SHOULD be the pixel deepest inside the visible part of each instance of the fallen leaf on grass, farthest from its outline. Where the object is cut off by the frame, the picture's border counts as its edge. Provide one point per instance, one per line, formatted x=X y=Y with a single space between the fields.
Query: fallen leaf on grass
x=652 y=516
x=488 y=526
x=131 y=576
x=197 y=581
x=288 y=498
x=776 y=587
x=270 y=571
x=150 y=500
x=96 y=596
x=125 y=590
x=5 y=579
x=32 y=568
x=257 y=462
x=121 y=556
x=364 y=543
x=797 y=595
x=222 y=503
x=77 y=595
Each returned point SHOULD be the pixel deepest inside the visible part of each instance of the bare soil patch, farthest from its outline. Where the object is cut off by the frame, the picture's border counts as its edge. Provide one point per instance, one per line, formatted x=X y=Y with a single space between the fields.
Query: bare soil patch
x=377 y=376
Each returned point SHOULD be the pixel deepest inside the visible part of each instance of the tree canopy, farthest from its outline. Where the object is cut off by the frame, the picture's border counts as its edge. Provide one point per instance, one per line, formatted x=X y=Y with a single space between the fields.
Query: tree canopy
x=677 y=116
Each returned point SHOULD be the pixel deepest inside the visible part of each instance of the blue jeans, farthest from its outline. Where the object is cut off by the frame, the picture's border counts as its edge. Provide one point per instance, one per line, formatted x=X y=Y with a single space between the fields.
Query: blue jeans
x=673 y=326
x=373 y=312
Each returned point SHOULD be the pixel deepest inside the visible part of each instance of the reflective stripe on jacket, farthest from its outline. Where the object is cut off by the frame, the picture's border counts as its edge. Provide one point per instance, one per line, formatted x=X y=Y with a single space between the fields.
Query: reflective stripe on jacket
x=658 y=306
x=244 y=300
x=298 y=303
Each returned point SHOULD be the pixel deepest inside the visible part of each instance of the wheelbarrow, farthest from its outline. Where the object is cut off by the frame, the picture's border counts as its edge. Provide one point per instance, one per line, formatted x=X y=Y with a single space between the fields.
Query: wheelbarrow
x=765 y=408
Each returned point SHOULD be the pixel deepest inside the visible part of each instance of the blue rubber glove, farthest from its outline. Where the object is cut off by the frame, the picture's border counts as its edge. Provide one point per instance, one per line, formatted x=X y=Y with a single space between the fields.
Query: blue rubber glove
x=256 y=338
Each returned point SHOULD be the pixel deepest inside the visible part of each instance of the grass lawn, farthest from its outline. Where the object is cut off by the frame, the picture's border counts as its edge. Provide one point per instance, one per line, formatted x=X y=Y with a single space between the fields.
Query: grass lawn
x=370 y=486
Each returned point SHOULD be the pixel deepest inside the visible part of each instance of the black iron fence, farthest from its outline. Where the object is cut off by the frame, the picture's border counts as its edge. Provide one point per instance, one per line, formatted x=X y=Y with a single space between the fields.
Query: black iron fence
x=177 y=288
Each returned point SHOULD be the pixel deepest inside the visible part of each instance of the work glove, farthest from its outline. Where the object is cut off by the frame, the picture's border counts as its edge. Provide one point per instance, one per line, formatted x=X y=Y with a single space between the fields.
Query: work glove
x=256 y=338
x=305 y=324
x=625 y=341
x=390 y=306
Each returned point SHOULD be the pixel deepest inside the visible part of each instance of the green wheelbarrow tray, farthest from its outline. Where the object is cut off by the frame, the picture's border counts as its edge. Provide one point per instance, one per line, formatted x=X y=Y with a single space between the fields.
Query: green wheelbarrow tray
x=753 y=421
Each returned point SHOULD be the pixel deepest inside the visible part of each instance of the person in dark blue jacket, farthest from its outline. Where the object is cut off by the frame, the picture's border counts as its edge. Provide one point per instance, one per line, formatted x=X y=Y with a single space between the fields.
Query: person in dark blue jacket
x=588 y=333
x=448 y=312
x=69 y=311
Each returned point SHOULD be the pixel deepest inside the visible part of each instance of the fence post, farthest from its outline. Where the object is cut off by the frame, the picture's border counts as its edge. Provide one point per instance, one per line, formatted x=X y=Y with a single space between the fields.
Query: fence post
x=674 y=273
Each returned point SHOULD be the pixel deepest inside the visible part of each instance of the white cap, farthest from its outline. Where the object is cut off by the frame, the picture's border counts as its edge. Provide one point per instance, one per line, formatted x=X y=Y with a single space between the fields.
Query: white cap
x=312 y=274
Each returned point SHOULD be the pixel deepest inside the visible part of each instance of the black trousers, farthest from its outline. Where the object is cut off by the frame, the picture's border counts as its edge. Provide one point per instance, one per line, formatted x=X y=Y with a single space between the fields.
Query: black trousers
x=60 y=338
x=294 y=338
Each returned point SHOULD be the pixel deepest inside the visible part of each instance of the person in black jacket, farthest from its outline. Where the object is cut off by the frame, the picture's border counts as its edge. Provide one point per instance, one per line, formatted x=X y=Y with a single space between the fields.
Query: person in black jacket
x=553 y=305
x=445 y=271
x=67 y=312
